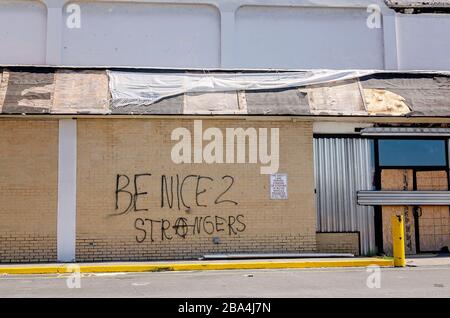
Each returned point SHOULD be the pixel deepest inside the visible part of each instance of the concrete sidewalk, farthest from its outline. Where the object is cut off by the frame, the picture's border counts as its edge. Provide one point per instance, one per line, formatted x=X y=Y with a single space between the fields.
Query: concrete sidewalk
x=110 y=267
x=428 y=260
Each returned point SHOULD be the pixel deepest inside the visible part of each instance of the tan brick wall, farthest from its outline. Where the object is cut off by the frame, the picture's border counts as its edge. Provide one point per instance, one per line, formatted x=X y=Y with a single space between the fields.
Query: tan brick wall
x=108 y=147
x=28 y=190
x=338 y=243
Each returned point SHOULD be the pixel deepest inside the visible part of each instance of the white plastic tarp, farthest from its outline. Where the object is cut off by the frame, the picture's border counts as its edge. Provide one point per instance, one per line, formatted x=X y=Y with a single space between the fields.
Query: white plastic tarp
x=136 y=88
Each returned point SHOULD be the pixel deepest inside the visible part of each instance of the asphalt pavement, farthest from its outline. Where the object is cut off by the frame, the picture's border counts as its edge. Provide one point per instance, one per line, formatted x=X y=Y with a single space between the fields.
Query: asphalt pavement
x=422 y=281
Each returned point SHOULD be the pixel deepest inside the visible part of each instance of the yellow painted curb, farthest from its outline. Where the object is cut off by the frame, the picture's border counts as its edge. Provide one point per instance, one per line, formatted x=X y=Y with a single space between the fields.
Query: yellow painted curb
x=111 y=268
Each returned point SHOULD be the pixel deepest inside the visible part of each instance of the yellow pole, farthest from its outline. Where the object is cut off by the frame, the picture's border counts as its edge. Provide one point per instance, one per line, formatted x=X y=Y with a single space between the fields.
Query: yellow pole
x=398 y=240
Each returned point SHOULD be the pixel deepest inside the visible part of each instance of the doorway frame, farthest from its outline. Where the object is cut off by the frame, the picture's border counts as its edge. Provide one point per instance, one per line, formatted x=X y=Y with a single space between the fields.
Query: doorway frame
x=377 y=182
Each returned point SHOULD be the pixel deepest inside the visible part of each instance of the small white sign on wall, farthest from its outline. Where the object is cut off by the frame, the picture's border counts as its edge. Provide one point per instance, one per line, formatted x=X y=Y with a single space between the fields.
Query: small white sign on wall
x=278 y=186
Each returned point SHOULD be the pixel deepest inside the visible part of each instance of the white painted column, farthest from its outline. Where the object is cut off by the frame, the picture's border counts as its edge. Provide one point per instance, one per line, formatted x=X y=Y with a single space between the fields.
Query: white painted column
x=227 y=34
x=67 y=190
x=391 y=61
x=54 y=31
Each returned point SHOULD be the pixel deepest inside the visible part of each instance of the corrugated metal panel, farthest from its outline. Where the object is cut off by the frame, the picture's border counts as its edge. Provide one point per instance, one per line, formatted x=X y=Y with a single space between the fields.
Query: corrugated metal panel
x=404 y=198
x=342 y=167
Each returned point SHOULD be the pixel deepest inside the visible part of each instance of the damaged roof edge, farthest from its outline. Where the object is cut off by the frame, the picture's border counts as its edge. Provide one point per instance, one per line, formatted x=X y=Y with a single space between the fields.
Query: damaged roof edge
x=206 y=71
x=59 y=91
x=418 y=4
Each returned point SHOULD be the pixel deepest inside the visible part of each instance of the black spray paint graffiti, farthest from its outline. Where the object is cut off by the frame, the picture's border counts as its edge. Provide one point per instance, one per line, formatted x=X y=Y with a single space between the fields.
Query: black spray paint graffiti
x=132 y=196
x=173 y=192
x=182 y=227
x=227 y=181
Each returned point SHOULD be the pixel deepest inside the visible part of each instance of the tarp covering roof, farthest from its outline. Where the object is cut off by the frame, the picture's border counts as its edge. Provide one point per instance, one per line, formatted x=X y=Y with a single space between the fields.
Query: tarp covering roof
x=75 y=91
x=129 y=88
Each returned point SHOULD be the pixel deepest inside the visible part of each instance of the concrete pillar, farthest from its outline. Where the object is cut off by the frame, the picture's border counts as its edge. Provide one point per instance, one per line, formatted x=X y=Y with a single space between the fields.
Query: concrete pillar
x=390 y=41
x=227 y=34
x=54 y=32
x=67 y=190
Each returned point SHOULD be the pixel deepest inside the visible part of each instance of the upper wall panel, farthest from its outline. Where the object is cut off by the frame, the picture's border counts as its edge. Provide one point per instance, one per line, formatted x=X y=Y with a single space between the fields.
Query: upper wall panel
x=288 y=34
x=22 y=32
x=158 y=35
x=307 y=38
x=424 y=41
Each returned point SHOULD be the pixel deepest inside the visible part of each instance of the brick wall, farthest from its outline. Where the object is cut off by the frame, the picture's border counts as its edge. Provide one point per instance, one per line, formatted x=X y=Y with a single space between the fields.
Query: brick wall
x=28 y=190
x=138 y=147
x=338 y=243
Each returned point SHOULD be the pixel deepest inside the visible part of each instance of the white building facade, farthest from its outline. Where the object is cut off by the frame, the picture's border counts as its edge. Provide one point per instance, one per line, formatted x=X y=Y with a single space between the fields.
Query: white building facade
x=251 y=34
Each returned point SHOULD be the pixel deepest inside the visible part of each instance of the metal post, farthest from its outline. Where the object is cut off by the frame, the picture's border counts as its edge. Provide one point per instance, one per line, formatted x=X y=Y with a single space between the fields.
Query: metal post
x=398 y=240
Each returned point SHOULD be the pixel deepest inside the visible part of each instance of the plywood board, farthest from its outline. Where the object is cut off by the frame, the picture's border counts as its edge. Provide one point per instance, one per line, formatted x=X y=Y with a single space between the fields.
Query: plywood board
x=213 y=103
x=81 y=92
x=434 y=221
x=4 y=78
x=398 y=179
x=342 y=97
